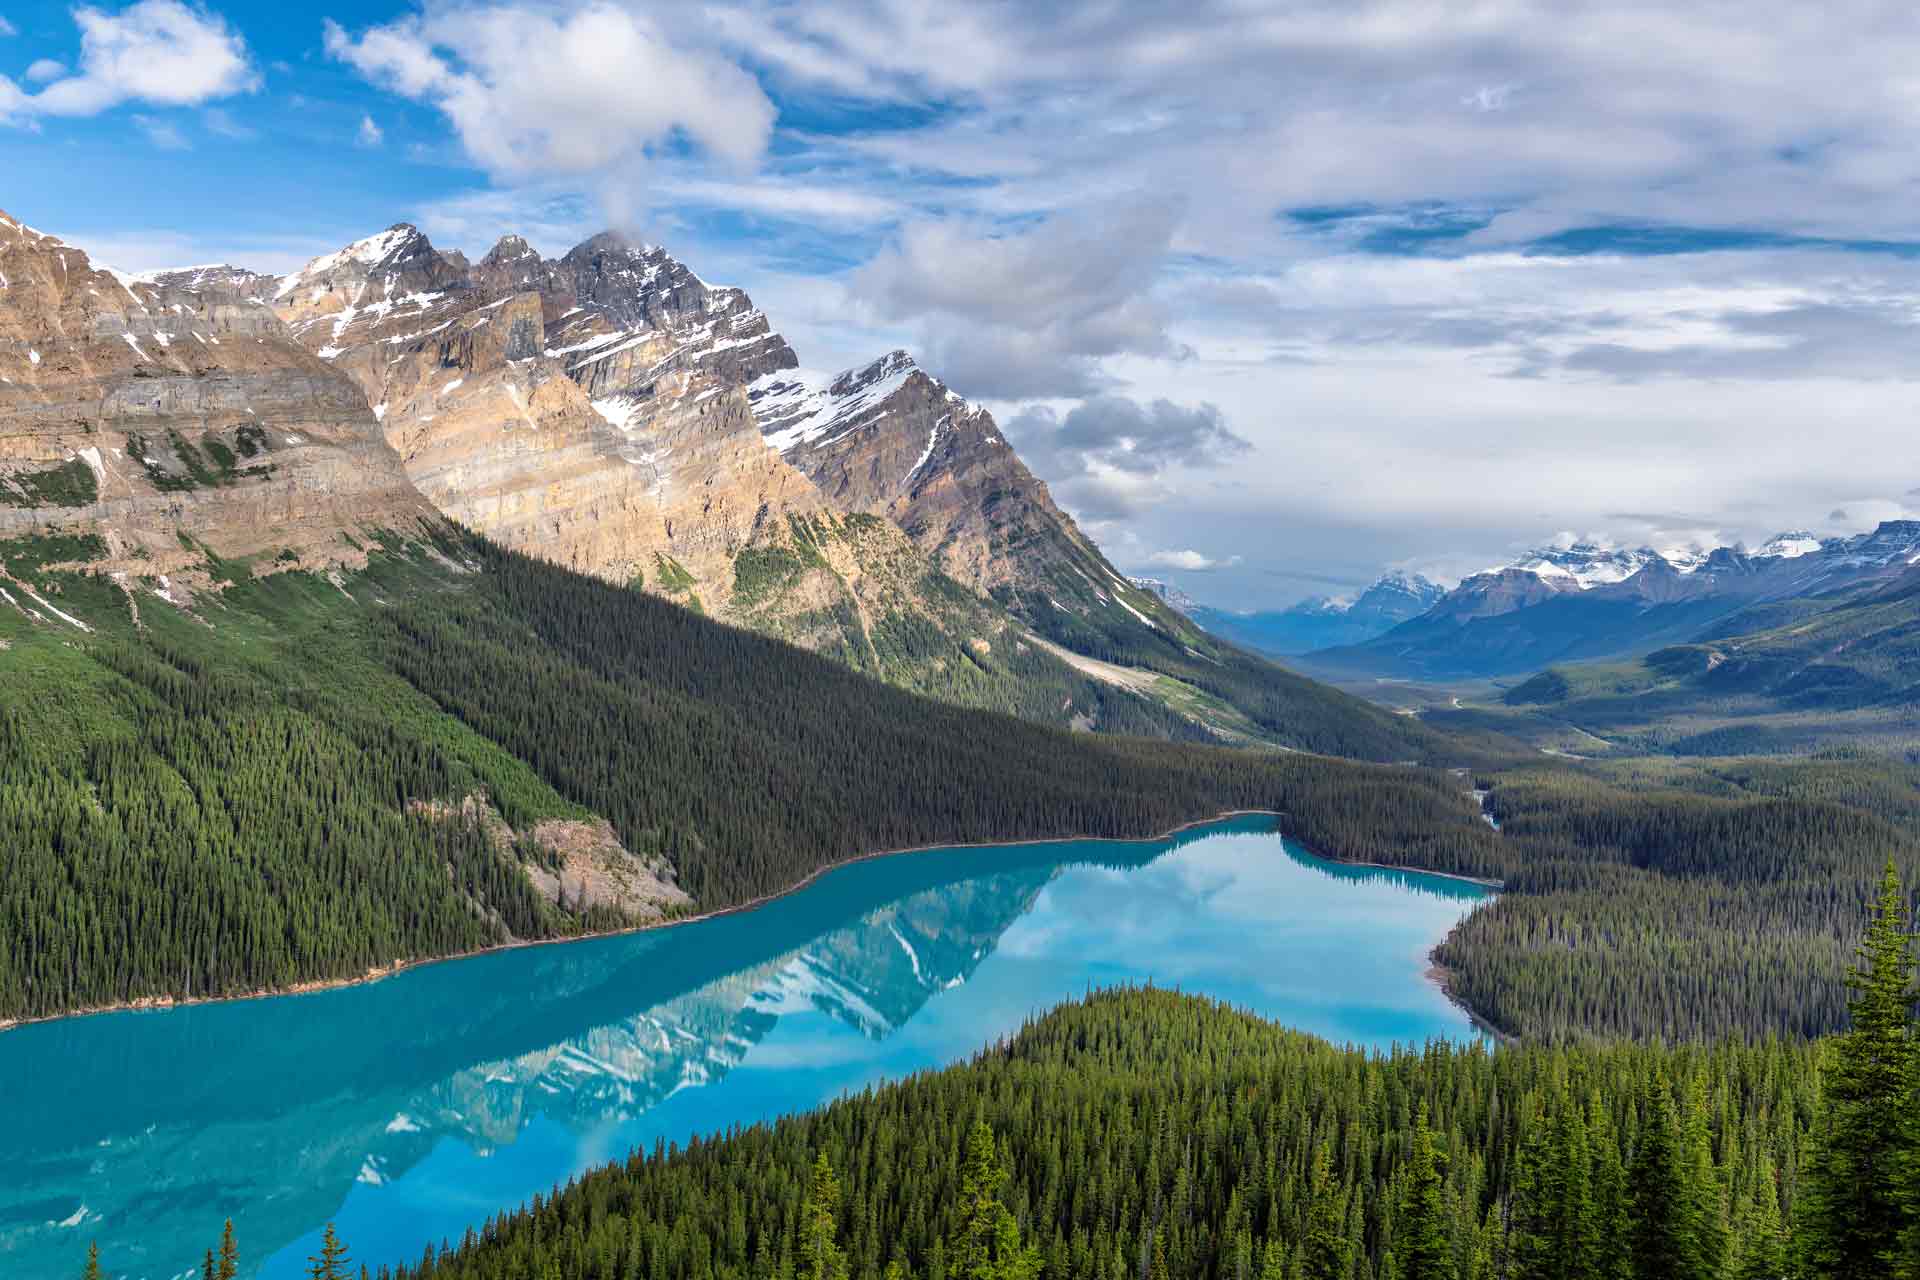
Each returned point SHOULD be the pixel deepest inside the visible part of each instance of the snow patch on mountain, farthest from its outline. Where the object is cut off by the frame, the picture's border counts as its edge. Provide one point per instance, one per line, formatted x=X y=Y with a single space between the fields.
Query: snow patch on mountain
x=799 y=407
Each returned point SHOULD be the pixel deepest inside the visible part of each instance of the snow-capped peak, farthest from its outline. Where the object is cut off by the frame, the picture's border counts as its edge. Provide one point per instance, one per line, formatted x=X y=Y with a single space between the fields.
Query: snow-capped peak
x=369 y=253
x=1583 y=565
x=1788 y=546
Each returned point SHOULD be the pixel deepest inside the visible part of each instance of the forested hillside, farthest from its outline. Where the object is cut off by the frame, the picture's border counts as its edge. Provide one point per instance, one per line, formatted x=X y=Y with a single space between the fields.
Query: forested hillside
x=270 y=787
x=1144 y=1133
x=1653 y=899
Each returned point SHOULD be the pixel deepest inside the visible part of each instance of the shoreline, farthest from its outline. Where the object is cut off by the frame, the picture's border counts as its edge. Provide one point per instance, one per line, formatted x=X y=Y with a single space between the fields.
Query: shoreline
x=1442 y=977
x=146 y=1004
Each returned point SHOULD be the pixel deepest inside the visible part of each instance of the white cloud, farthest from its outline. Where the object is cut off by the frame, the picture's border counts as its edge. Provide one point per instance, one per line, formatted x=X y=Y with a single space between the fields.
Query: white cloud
x=7 y=28
x=164 y=134
x=1027 y=313
x=1189 y=560
x=159 y=52
x=369 y=134
x=44 y=69
x=535 y=94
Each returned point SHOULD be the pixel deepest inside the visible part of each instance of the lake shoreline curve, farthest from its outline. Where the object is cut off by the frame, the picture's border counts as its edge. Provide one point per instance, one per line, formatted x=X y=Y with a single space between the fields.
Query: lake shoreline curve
x=1433 y=974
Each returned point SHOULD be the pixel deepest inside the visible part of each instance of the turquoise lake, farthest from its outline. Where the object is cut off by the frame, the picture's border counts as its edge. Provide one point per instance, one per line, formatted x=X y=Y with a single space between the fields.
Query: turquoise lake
x=407 y=1110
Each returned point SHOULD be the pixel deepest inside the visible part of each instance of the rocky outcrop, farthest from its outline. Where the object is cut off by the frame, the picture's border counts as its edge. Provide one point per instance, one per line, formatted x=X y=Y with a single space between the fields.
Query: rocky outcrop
x=176 y=415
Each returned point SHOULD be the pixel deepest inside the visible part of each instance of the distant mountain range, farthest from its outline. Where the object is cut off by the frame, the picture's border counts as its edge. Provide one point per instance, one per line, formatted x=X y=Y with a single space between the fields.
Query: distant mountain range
x=1586 y=602
x=1323 y=622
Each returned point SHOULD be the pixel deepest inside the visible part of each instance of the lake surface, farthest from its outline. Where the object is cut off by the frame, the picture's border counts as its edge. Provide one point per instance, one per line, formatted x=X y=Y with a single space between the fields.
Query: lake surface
x=409 y=1109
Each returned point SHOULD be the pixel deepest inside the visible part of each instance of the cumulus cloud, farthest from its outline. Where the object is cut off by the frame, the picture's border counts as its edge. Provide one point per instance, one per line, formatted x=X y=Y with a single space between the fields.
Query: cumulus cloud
x=158 y=52
x=369 y=134
x=45 y=69
x=1111 y=456
x=534 y=93
x=1028 y=313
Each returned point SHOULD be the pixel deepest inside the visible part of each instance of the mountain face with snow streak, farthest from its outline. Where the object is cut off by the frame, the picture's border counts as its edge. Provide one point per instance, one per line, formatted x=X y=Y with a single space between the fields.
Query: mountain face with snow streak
x=892 y=440
x=165 y=410
x=593 y=410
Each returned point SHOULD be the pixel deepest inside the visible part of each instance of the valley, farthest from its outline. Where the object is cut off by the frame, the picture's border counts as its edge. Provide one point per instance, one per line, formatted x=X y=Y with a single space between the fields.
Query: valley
x=404 y=608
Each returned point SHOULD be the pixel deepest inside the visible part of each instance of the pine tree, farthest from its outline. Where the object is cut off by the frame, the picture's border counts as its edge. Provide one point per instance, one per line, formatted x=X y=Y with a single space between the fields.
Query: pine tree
x=206 y=1271
x=1326 y=1251
x=1612 y=1202
x=93 y=1271
x=229 y=1268
x=1763 y=1242
x=1661 y=1235
x=331 y=1262
x=1851 y=1209
x=821 y=1257
x=1706 y=1207
x=1424 y=1249
x=986 y=1243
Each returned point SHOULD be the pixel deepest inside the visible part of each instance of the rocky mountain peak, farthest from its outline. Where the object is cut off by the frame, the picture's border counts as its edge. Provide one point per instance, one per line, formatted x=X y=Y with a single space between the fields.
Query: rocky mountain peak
x=510 y=248
x=393 y=263
x=895 y=365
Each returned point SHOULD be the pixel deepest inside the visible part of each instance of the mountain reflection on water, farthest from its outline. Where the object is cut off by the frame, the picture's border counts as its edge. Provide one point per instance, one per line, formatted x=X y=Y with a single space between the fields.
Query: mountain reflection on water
x=409 y=1109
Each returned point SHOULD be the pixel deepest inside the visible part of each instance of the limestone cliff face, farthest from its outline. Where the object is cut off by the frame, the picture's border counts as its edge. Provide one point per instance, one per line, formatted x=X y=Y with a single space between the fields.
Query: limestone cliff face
x=592 y=410
x=560 y=406
x=145 y=409
x=891 y=439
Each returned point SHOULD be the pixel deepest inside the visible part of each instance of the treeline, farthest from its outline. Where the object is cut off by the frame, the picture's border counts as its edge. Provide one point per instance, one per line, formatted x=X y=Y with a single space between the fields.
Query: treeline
x=1292 y=710
x=1146 y=1133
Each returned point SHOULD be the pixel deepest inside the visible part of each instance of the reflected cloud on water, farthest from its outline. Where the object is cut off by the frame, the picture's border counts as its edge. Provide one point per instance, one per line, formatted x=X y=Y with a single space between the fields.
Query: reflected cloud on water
x=410 y=1109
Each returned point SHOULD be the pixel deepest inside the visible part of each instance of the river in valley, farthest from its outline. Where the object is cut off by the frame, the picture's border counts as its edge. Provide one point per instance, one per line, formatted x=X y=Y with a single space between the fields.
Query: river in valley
x=409 y=1109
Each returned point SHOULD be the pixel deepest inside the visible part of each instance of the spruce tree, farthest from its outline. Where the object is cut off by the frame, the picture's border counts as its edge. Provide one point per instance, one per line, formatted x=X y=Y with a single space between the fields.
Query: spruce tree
x=1660 y=1232
x=1326 y=1251
x=1852 y=1210
x=1762 y=1240
x=93 y=1263
x=331 y=1262
x=986 y=1243
x=206 y=1271
x=1706 y=1196
x=821 y=1257
x=1612 y=1202
x=229 y=1268
x=1424 y=1248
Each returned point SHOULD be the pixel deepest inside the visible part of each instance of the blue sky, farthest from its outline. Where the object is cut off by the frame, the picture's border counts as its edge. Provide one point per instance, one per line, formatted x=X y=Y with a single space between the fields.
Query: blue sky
x=1274 y=295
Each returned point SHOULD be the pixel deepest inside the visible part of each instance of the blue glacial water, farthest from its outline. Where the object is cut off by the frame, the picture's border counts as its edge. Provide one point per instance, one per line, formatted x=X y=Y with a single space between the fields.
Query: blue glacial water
x=407 y=1110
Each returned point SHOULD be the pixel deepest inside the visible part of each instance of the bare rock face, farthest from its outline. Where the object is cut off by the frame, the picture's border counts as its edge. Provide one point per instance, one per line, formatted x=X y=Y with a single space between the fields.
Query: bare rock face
x=893 y=440
x=589 y=433
x=592 y=410
x=153 y=411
